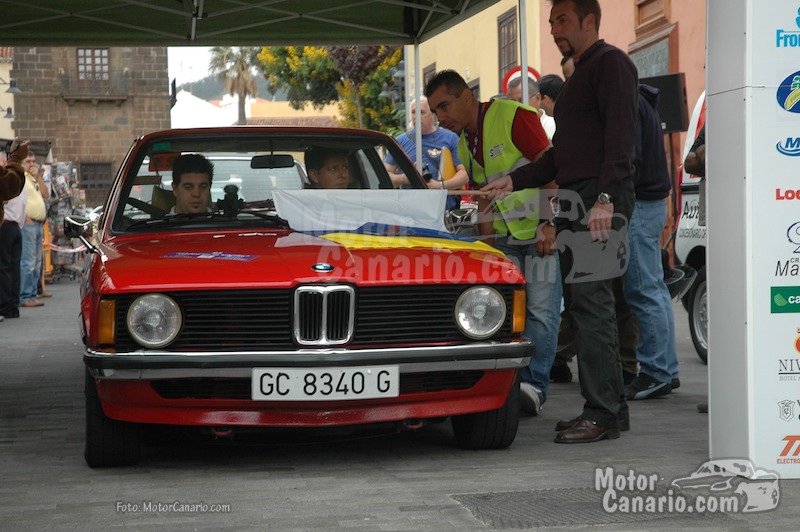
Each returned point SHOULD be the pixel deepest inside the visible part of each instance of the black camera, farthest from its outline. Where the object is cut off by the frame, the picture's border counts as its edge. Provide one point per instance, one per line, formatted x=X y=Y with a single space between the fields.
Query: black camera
x=9 y=143
x=426 y=173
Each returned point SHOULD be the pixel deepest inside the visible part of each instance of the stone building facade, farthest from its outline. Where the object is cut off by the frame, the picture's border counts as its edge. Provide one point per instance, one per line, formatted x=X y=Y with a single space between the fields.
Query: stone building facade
x=90 y=104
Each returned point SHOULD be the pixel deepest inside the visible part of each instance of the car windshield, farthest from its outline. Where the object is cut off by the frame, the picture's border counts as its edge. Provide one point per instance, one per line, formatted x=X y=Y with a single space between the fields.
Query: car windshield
x=247 y=169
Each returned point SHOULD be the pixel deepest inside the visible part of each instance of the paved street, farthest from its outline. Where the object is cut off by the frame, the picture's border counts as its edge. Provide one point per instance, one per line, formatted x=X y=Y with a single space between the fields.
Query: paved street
x=374 y=480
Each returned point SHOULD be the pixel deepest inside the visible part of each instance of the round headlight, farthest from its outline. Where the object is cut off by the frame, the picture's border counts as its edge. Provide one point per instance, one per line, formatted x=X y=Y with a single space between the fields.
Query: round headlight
x=480 y=312
x=154 y=320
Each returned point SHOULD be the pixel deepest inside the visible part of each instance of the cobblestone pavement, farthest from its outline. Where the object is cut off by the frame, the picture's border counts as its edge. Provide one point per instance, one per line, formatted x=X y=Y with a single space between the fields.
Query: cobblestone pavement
x=372 y=480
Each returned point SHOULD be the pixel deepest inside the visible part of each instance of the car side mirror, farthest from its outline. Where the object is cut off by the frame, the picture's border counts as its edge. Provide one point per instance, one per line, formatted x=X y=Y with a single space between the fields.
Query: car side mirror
x=80 y=228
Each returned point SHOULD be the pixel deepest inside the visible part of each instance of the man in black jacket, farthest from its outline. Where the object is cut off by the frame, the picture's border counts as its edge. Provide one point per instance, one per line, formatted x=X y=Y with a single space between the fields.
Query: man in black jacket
x=592 y=163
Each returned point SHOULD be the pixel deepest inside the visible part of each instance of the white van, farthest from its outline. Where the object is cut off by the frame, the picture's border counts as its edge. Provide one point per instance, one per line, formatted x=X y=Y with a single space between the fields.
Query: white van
x=690 y=239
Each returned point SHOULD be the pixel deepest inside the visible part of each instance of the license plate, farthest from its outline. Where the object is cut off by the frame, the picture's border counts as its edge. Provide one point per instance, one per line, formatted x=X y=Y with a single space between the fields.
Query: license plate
x=324 y=384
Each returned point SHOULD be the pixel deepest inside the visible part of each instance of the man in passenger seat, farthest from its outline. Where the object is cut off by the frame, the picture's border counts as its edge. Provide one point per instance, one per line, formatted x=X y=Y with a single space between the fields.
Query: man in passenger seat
x=327 y=168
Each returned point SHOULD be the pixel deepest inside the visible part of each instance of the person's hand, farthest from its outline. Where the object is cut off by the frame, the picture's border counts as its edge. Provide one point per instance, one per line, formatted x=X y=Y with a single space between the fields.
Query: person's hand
x=433 y=184
x=499 y=188
x=600 y=221
x=19 y=150
x=545 y=240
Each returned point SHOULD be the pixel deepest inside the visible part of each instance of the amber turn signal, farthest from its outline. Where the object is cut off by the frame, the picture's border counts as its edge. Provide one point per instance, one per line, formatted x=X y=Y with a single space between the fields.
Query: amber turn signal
x=105 y=322
x=519 y=311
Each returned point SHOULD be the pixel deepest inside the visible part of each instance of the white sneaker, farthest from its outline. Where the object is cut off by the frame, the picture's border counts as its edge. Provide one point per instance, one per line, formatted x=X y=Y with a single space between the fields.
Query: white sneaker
x=530 y=400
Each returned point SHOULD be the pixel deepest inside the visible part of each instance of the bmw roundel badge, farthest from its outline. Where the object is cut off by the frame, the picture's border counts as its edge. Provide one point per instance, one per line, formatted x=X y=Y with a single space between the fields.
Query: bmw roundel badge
x=322 y=267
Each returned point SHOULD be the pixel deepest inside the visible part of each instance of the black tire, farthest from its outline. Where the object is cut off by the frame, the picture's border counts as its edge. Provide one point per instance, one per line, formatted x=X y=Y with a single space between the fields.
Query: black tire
x=109 y=443
x=698 y=315
x=495 y=429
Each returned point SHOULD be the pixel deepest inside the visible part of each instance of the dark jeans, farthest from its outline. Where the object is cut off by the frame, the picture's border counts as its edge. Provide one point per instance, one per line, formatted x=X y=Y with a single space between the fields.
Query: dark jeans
x=627 y=332
x=589 y=296
x=10 y=254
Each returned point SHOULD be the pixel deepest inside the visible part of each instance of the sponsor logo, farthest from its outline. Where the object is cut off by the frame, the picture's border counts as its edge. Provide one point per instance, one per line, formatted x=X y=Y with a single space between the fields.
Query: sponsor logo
x=690 y=216
x=496 y=151
x=789 y=368
x=789 y=93
x=691 y=210
x=788 y=39
x=791 y=451
x=693 y=232
x=788 y=268
x=786 y=194
x=786 y=409
x=793 y=234
x=785 y=299
x=790 y=147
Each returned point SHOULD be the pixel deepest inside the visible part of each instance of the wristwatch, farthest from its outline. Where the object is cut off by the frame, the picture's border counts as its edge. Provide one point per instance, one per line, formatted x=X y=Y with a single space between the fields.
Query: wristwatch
x=604 y=198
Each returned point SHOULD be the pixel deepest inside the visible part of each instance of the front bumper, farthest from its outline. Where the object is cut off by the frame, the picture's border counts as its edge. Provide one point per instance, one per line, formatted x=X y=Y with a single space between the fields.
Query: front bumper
x=128 y=385
x=146 y=365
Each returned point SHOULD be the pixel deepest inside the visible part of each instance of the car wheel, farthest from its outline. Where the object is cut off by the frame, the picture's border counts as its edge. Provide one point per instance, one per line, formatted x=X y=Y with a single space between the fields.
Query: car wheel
x=495 y=429
x=698 y=315
x=685 y=301
x=109 y=442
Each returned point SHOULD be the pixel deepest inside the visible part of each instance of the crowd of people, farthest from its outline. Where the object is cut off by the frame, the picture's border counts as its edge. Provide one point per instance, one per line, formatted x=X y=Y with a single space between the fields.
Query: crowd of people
x=585 y=155
x=24 y=193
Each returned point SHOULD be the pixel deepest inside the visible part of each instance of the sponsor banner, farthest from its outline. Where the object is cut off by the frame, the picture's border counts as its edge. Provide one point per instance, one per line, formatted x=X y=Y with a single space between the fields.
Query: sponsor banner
x=769 y=182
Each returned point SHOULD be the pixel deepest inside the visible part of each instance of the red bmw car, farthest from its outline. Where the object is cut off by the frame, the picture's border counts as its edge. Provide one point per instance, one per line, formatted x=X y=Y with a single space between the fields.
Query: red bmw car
x=269 y=300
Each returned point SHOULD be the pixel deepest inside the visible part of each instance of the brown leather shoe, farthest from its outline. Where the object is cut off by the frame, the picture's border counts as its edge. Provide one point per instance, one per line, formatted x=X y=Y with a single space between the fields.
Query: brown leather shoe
x=564 y=424
x=44 y=294
x=585 y=431
x=31 y=303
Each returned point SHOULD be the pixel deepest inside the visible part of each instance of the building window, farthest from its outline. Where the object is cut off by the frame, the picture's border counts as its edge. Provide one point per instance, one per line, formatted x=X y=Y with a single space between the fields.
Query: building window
x=96 y=181
x=93 y=65
x=506 y=43
x=427 y=73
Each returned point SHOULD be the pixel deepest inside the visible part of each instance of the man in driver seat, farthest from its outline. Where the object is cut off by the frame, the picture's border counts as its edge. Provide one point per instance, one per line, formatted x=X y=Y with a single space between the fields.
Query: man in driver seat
x=191 y=184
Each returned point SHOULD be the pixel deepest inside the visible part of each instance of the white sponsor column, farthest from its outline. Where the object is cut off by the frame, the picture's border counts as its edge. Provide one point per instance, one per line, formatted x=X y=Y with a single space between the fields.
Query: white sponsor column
x=753 y=197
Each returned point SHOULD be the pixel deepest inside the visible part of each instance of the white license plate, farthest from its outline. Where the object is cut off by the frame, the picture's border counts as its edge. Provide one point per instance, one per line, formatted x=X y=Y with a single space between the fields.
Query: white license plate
x=324 y=384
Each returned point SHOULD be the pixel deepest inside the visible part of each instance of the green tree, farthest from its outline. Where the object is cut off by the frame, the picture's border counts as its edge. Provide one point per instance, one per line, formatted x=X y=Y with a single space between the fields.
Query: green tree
x=358 y=64
x=353 y=76
x=234 y=66
x=306 y=73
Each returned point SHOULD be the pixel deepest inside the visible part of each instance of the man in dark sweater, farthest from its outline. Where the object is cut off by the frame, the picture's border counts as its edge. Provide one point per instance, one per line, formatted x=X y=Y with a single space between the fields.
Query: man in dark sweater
x=645 y=290
x=592 y=163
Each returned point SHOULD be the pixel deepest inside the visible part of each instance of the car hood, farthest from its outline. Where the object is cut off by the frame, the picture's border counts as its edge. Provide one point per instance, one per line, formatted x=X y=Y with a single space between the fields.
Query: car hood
x=253 y=259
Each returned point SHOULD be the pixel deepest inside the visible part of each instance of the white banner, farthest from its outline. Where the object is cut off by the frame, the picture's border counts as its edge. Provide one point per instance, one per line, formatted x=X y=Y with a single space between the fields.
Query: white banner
x=347 y=210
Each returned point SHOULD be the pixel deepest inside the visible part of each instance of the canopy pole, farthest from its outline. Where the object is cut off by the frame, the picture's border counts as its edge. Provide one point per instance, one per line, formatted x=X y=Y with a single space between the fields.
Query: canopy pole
x=417 y=112
x=523 y=53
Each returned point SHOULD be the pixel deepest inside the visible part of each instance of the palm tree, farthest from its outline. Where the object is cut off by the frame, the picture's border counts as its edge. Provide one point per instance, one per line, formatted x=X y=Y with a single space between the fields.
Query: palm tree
x=234 y=66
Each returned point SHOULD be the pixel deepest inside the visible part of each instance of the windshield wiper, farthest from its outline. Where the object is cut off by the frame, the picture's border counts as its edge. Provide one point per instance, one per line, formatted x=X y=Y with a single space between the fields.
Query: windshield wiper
x=171 y=219
x=269 y=216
